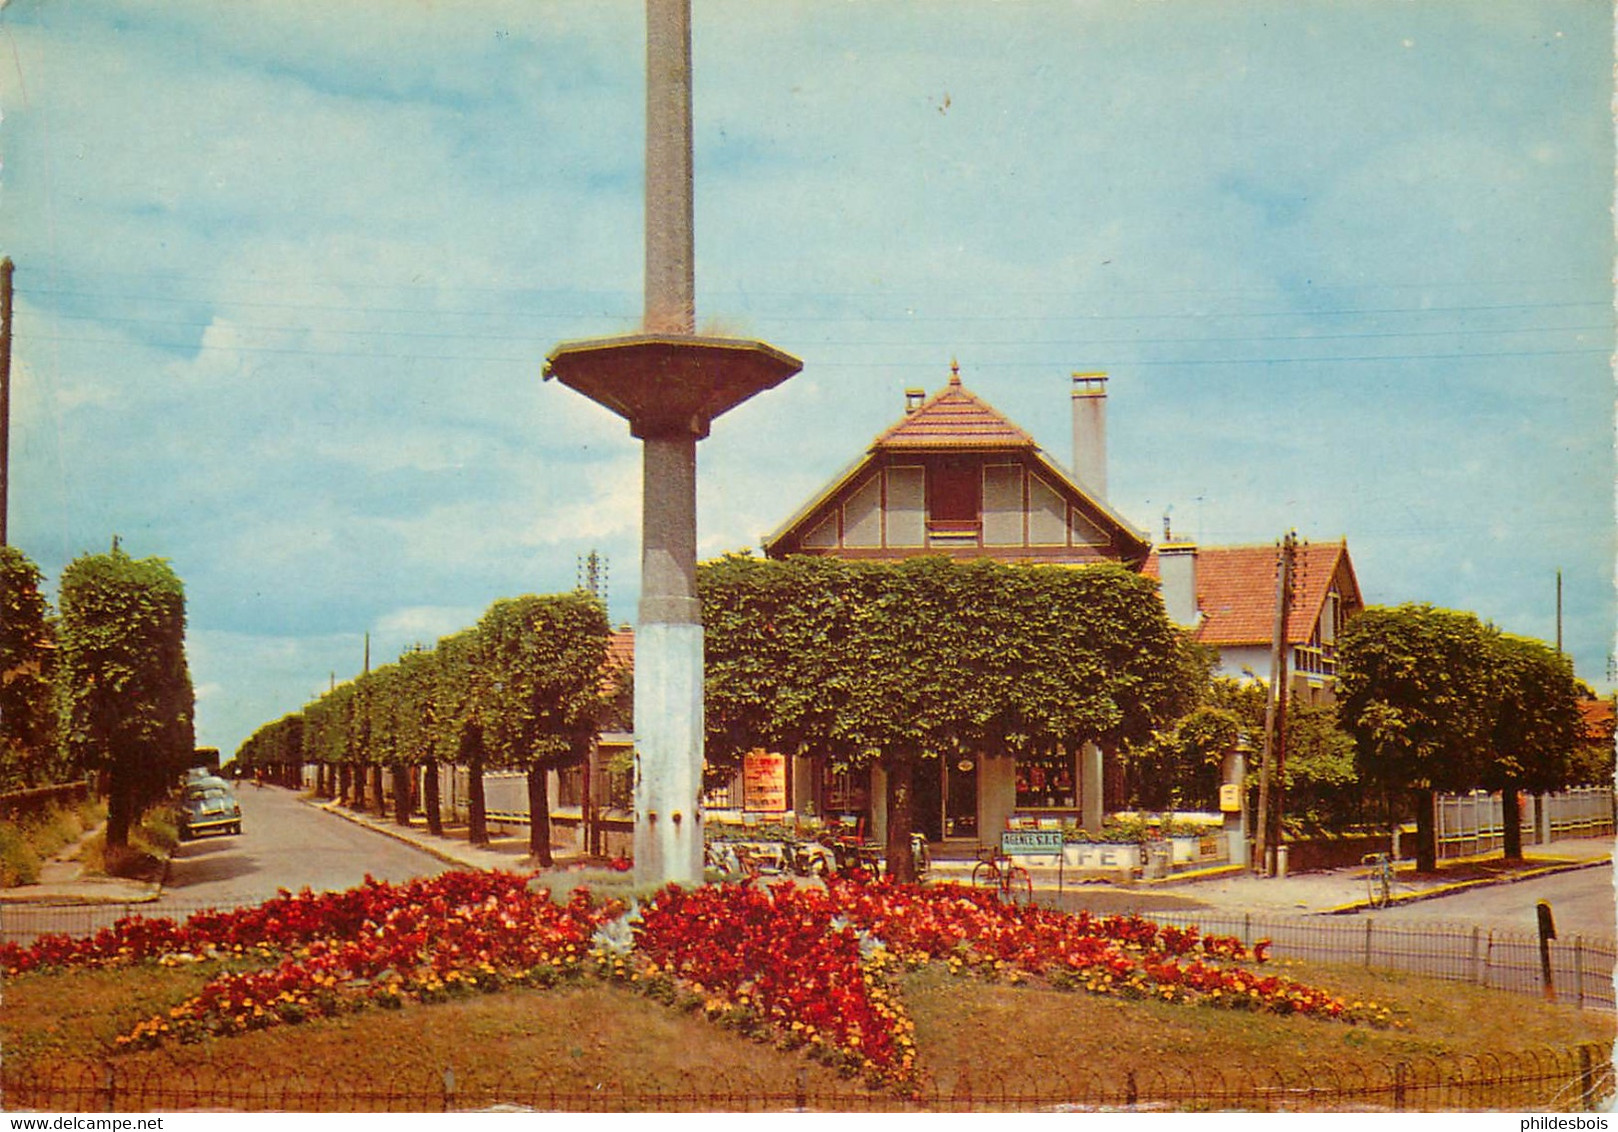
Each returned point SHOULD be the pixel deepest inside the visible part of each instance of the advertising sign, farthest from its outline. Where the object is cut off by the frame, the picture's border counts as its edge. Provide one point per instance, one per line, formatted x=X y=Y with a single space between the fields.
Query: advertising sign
x=764 y=782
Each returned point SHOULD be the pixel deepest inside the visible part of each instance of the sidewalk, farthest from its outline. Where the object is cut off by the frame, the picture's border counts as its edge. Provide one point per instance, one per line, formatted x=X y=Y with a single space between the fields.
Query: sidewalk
x=62 y=881
x=1327 y=892
x=505 y=851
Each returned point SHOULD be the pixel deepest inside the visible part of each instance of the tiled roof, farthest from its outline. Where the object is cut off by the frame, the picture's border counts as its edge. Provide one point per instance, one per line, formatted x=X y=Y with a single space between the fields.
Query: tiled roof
x=1236 y=591
x=620 y=654
x=954 y=417
x=1598 y=720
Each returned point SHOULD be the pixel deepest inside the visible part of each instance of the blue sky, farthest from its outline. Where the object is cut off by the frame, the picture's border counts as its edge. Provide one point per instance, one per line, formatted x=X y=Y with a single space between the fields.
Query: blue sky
x=287 y=272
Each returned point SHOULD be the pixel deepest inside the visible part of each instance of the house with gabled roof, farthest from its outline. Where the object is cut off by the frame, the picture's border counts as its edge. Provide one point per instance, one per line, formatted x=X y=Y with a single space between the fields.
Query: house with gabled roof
x=955 y=477
x=1226 y=596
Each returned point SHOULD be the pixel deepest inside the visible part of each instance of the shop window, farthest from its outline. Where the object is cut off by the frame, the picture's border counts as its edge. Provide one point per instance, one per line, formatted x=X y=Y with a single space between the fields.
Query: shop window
x=1046 y=782
x=570 y=786
x=844 y=792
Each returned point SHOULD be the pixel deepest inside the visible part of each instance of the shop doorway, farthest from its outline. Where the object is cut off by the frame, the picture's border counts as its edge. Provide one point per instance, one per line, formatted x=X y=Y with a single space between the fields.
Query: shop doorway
x=927 y=799
x=961 y=799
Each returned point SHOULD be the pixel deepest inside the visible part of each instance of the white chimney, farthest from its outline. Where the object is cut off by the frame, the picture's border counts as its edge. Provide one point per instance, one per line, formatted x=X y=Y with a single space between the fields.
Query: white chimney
x=1090 y=432
x=1177 y=575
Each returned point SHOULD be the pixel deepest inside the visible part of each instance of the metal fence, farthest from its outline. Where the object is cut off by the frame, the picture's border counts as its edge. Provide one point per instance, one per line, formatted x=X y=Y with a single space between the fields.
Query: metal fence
x=1468 y=825
x=1581 y=968
x=1557 y=1080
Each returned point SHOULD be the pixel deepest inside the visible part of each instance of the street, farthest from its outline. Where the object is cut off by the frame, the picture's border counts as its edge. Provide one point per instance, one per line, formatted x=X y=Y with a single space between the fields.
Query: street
x=1581 y=903
x=284 y=843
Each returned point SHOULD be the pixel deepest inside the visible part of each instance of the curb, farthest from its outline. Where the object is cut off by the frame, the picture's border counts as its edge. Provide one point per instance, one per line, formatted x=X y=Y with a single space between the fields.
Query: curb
x=431 y=850
x=1355 y=907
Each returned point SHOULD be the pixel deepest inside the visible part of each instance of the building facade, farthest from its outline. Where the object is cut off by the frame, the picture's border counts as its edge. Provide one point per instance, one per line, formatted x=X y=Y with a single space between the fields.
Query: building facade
x=953 y=476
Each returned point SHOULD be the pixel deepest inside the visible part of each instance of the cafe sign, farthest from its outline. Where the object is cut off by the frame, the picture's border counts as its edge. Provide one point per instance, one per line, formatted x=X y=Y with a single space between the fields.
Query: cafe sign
x=764 y=782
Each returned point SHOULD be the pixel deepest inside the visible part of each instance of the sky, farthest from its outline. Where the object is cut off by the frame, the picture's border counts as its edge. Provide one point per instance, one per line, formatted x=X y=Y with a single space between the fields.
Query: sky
x=287 y=272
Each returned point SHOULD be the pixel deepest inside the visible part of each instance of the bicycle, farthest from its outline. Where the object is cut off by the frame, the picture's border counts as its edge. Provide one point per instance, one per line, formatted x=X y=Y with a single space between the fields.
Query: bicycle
x=996 y=870
x=921 y=855
x=1379 y=880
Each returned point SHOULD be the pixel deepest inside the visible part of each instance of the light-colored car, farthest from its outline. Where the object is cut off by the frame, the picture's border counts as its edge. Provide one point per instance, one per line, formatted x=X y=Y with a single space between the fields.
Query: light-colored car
x=208 y=806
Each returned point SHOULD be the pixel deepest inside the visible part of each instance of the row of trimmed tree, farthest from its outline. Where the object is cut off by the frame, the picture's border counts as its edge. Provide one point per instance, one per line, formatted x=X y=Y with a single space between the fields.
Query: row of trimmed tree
x=527 y=688
x=100 y=687
x=891 y=666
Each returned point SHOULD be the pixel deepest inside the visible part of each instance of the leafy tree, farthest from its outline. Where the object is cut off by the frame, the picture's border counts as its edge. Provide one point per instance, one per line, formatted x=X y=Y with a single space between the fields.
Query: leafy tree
x=1322 y=780
x=546 y=656
x=27 y=724
x=1537 y=727
x=126 y=701
x=895 y=666
x=1417 y=688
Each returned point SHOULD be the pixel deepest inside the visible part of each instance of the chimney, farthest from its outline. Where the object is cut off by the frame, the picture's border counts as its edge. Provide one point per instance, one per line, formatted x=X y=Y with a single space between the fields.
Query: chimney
x=1177 y=575
x=1090 y=432
x=914 y=399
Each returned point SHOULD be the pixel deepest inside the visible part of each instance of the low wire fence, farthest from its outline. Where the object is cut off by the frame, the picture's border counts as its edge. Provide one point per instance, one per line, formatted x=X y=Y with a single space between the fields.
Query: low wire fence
x=1558 y=1080
x=1581 y=969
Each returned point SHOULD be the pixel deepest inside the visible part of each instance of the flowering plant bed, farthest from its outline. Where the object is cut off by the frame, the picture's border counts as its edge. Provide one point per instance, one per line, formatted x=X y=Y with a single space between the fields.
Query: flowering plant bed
x=802 y=967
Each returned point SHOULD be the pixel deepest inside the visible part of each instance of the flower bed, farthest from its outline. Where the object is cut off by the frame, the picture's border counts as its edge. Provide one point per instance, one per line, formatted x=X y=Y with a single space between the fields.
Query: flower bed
x=804 y=967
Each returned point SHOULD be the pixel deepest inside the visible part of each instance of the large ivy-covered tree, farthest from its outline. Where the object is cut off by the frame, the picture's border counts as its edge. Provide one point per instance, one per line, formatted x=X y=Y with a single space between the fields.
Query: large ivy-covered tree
x=894 y=666
x=27 y=723
x=126 y=696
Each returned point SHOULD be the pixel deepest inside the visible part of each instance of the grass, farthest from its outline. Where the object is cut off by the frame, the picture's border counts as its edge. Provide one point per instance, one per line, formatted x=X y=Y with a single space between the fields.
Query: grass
x=151 y=841
x=25 y=845
x=961 y=1027
x=972 y=1035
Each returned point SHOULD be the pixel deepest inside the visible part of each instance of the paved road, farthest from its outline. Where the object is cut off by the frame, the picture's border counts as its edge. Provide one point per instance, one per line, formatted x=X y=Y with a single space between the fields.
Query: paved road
x=1581 y=902
x=284 y=843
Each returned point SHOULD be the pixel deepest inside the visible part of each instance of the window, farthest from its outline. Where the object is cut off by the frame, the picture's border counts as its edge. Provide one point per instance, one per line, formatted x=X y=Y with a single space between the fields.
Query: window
x=862 y=515
x=907 y=506
x=1046 y=782
x=1002 y=505
x=1086 y=533
x=570 y=786
x=1328 y=619
x=954 y=493
x=1047 y=515
x=823 y=536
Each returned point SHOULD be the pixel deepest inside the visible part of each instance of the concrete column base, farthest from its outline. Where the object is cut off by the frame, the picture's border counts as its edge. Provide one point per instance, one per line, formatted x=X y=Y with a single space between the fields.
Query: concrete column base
x=668 y=754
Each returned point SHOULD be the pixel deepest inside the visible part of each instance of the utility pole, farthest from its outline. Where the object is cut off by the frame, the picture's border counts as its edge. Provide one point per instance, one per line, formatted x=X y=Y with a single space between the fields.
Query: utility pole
x=1559 y=613
x=5 y=396
x=1275 y=713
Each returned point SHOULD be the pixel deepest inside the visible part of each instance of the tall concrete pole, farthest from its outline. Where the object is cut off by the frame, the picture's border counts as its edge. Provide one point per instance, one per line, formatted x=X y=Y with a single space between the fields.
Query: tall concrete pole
x=671 y=303
x=670 y=385
x=668 y=635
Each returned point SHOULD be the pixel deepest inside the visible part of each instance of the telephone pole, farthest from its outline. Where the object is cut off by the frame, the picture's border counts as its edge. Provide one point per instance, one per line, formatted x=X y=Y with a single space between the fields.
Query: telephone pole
x=5 y=396
x=1270 y=822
